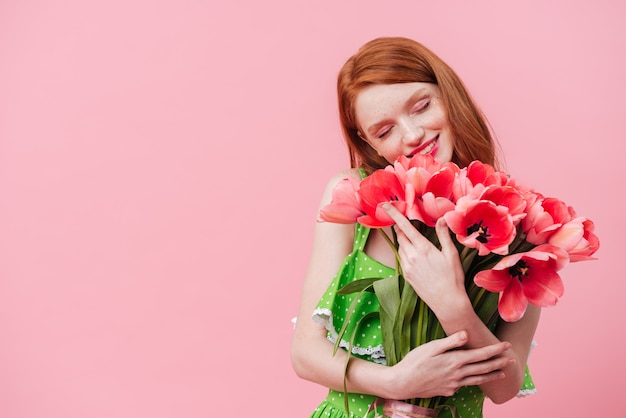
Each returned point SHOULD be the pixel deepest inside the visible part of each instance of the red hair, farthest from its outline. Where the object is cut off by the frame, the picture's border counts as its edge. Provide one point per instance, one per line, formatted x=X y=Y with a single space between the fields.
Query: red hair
x=402 y=60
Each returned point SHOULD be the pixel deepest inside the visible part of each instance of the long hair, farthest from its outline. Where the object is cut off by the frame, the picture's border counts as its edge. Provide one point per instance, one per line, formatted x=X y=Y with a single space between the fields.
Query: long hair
x=395 y=60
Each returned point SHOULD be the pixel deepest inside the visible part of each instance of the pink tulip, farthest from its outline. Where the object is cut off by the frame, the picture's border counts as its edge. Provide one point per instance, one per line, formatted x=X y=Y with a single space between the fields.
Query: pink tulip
x=483 y=225
x=425 y=161
x=345 y=206
x=544 y=217
x=403 y=166
x=509 y=197
x=577 y=238
x=523 y=278
x=380 y=187
x=428 y=198
x=463 y=186
x=481 y=173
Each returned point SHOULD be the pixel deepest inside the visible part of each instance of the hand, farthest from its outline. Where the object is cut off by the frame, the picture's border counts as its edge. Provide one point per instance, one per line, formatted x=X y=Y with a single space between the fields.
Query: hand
x=439 y=368
x=436 y=275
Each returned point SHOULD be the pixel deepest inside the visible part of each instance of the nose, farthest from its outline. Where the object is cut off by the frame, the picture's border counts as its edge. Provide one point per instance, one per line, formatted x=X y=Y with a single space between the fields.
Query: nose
x=412 y=132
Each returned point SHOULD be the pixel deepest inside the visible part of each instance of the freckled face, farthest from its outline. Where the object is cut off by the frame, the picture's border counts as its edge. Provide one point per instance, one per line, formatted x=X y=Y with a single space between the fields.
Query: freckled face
x=404 y=119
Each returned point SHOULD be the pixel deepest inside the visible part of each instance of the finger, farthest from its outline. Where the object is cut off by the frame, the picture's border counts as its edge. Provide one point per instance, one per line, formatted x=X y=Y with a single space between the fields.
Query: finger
x=485 y=353
x=395 y=214
x=443 y=233
x=456 y=340
x=477 y=380
x=404 y=225
x=489 y=366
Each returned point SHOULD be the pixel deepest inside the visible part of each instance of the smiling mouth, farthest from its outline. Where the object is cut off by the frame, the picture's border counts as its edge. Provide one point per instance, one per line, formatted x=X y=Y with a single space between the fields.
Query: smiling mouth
x=426 y=148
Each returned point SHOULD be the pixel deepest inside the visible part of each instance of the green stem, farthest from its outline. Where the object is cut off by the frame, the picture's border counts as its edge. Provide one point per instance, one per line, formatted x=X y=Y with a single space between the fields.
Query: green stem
x=394 y=247
x=464 y=252
x=467 y=257
x=420 y=324
x=478 y=297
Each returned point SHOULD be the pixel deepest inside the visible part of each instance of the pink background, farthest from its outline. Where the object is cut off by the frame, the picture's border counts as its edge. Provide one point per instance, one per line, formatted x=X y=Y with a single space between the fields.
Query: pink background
x=160 y=167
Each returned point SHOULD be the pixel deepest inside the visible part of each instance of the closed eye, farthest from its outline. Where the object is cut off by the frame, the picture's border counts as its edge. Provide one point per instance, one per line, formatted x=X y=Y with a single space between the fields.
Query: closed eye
x=382 y=134
x=421 y=106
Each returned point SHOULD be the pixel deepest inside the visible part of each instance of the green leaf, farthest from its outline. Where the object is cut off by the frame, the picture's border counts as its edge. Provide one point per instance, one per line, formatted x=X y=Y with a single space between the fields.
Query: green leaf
x=404 y=317
x=388 y=293
x=487 y=309
x=358 y=286
x=389 y=343
x=467 y=257
x=346 y=321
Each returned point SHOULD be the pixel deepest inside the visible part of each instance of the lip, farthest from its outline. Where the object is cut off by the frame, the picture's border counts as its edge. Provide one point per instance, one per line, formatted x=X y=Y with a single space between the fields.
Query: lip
x=426 y=145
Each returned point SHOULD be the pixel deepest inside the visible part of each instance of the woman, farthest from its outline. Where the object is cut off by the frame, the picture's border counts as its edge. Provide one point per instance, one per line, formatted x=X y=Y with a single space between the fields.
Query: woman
x=398 y=98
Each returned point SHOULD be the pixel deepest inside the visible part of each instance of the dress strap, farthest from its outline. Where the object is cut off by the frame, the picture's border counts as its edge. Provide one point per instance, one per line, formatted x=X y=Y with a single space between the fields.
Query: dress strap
x=361 y=232
x=360 y=237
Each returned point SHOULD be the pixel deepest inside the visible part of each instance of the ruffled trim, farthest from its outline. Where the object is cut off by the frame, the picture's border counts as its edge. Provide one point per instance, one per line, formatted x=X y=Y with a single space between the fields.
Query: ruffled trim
x=525 y=392
x=324 y=317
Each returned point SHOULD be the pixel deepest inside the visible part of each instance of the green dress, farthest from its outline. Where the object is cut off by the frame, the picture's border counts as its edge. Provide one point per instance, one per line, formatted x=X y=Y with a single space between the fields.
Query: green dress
x=331 y=312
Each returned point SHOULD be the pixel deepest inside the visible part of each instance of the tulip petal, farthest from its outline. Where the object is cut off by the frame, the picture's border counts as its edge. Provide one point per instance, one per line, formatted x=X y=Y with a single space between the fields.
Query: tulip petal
x=512 y=304
x=568 y=235
x=340 y=213
x=544 y=287
x=492 y=280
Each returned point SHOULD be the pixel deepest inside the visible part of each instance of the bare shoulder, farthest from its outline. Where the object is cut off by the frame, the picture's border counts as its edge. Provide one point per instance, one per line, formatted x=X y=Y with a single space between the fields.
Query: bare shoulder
x=349 y=172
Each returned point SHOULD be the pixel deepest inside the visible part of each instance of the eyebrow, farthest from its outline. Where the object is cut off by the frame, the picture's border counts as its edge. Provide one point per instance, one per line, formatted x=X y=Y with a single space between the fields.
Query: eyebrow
x=418 y=94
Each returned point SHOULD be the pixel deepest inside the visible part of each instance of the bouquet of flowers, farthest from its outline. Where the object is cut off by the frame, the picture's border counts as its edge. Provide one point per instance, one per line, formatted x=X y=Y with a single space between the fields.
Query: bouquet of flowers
x=512 y=241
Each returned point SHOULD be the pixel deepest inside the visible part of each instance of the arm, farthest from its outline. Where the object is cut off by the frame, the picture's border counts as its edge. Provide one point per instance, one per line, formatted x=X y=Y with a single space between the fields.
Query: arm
x=312 y=353
x=519 y=334
x=432 y=369
x=446 y=296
